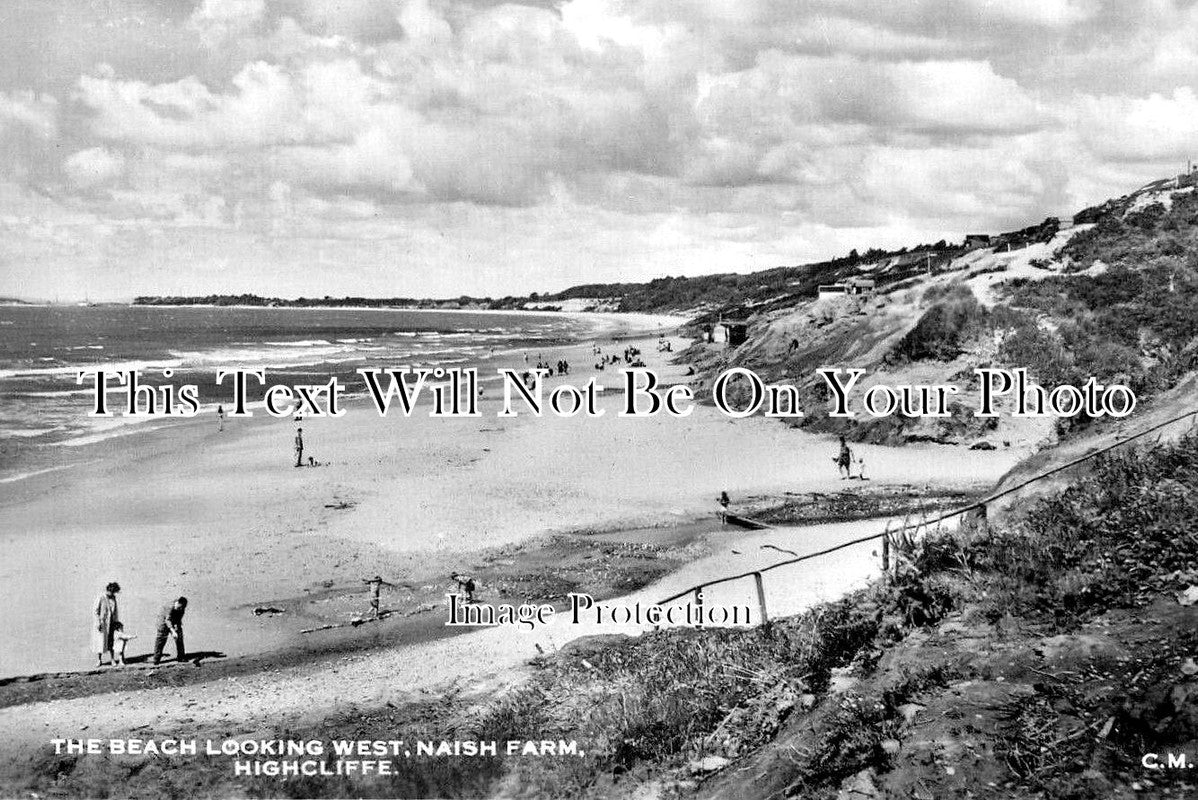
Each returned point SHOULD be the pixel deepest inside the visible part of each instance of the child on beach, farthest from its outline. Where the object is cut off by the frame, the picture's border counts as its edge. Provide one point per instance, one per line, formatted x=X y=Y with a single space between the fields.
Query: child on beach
x=374 y=585
x=120 y=640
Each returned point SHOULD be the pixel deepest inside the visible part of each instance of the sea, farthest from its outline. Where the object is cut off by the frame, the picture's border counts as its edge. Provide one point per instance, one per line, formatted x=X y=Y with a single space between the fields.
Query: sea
x=43 y=406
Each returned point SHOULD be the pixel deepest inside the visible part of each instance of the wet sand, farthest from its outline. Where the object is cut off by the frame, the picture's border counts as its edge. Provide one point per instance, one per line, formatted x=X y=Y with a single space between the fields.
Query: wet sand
x=223 y=518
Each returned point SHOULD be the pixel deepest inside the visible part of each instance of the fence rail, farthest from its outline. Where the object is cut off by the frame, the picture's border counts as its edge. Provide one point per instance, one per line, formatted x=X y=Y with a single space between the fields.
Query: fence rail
x=885 y=535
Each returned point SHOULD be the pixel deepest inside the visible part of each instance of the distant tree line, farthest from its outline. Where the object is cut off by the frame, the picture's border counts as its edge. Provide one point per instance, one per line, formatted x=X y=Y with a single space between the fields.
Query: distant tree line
x=724 y=292
x=328 y=301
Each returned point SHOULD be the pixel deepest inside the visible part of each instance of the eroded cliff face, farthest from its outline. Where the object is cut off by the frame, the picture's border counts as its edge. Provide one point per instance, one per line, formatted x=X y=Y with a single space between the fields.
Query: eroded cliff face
x=1111 y=297
x=867 y=333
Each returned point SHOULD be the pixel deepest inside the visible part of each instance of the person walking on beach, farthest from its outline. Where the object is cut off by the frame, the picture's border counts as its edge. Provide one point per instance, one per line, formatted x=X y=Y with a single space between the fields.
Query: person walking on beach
x=375 y=584
x=844 y=460
x=170 y=624
x=299 y=447
x=220 y=417
x=724 y=502
x=108 y=621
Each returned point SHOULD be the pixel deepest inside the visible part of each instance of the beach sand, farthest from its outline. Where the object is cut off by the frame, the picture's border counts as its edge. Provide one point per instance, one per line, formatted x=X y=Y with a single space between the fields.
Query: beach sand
x=224 y=518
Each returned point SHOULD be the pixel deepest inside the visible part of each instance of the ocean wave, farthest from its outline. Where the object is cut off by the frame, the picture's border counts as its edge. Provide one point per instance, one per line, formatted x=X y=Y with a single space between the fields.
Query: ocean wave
x=68 y=392
x=30 y=433
x=107 y=366
x=234 y=357
x=112 y=433
x=20 y=476
x=301 y=343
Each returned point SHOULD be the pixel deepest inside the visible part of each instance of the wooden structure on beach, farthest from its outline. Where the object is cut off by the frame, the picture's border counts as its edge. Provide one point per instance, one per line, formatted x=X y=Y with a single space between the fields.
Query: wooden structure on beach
x=848 y=287
x=733 y=332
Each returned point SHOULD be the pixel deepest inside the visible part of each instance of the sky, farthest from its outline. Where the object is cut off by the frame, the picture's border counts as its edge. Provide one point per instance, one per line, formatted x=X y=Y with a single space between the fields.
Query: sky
x=443 y=147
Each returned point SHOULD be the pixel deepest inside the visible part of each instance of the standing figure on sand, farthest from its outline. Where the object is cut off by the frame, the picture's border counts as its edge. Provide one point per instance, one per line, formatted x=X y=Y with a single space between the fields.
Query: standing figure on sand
x=465 y=584
x=299 y=447
x=844 y=461
x=170 y=624
x=108 y=622
x=374 y=585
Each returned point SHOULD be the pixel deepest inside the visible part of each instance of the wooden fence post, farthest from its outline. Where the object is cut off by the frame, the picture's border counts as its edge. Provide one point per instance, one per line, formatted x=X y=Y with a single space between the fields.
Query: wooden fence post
x=761 y=597
x=886 y=550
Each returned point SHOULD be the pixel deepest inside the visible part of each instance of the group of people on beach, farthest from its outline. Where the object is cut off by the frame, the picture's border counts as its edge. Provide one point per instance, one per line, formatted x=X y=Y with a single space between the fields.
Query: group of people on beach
x=844 y=461
x=528 y=378
x=561 y=368
x=631 y=357
x=466 y=585
x=110 y=639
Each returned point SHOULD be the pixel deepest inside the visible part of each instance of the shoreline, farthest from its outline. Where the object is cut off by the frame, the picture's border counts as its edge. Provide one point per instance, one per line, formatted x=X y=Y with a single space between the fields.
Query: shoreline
x=301 y=521
x=224 y=519
x=42 y=457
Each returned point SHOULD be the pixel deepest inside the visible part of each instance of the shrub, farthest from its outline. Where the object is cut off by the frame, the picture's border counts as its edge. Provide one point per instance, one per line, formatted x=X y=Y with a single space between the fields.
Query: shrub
x=943 y=330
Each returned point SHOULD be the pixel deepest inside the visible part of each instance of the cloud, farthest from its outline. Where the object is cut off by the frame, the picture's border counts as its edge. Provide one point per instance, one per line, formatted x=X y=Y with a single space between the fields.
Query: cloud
x=955 y=97
x=93 y=166
x=30 y=131
x=28 y=111
x=261 y=109
x=1153 y=128
x=615 y=136
x=368 y=162
x=368 y=21
x=229 y=10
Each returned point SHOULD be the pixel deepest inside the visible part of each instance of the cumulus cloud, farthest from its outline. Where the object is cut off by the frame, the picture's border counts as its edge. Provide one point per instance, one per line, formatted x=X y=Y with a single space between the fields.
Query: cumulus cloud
x=369 y=161
x=229 y=10
x=95 y=165
x=29 y=111
x=1148 y=128
x=702 y=130
x=361 y=20
x=261 y=109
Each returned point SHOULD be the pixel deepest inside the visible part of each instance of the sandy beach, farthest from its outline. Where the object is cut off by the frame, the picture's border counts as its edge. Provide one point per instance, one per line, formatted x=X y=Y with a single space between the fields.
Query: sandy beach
x=223 y=517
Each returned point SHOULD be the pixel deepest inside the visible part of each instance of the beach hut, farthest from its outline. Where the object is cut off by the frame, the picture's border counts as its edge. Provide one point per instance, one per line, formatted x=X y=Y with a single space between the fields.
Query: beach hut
x=732 y=331
x=865 y=286
x=851 y=286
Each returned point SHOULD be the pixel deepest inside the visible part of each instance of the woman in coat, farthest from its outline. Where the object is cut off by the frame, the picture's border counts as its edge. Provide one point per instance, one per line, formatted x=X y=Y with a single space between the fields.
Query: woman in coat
x=104 y=629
